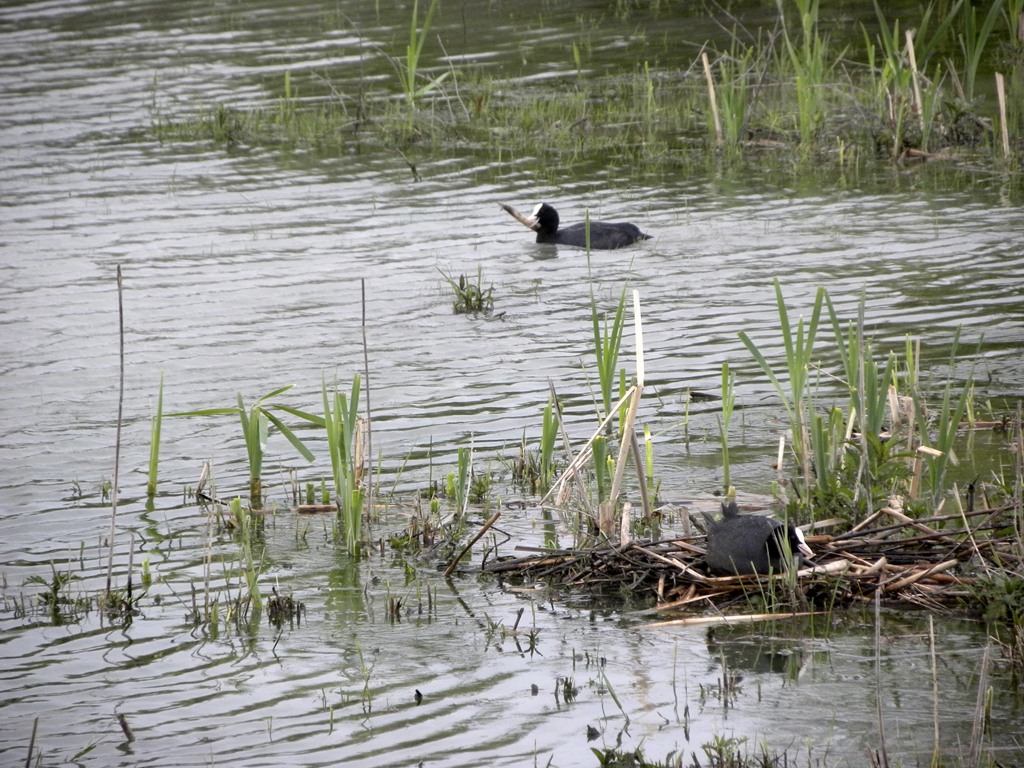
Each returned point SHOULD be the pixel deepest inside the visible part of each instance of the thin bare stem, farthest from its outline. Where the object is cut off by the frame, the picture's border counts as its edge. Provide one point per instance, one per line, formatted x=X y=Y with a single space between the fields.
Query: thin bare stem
x=369 y=421
x=117 y=438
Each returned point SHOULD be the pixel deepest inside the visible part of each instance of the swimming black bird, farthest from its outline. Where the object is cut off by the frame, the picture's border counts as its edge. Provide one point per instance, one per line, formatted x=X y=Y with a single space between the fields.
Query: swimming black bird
x=743 y=544
x=603 y=235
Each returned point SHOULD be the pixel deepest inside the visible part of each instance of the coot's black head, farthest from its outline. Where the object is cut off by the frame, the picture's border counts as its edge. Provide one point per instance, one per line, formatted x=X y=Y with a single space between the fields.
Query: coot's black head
x=544 y=221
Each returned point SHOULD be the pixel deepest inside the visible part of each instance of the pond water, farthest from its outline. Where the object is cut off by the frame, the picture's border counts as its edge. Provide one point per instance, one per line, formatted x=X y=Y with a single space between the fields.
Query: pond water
x=243 y=271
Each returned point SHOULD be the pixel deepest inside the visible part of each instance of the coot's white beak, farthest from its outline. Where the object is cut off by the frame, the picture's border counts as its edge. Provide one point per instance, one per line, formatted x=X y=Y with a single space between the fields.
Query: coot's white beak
x=805 y=550
x=534 y=221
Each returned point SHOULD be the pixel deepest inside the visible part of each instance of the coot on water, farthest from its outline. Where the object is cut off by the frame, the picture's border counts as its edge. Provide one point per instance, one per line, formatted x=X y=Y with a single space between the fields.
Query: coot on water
x=603 y=235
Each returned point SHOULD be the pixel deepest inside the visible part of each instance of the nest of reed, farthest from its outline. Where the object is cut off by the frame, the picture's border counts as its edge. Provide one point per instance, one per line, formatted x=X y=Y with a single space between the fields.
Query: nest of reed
x=935 y=563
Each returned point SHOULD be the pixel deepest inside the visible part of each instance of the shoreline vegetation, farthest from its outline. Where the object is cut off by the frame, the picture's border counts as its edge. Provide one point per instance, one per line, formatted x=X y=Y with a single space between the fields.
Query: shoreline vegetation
x=867 y=467
x=915 y=90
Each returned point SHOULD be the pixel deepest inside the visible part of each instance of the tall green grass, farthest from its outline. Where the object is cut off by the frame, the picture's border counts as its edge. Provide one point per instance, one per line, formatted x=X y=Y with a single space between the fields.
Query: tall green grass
x=409 y=73
x=728 y=402
x=256 y=421
x=154 y=440
x=798 y=347
x=607 y=343
x=341 y=421
x=807 y=60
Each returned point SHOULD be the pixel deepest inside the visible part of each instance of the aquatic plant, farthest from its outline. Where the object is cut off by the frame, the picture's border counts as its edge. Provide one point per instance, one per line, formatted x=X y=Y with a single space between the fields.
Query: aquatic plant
x=344 y=441
x=470 y=298
x=550 y=420
x=733 y=93
x=728 y=402
x=409 y=69
x=894 y=99
x=256 y=422
x=607 y=342
x=459 y=481
x=154 y=440
x=869 y=394
x=808 y=62
x=937 y=432
x=798 y=361
x=246 y=526
x=973 y=39
x=60 y=606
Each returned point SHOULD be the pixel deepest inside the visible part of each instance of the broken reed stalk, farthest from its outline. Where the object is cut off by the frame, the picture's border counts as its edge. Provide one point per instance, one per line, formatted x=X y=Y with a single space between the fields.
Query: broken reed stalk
x=916 y=79
x=117 y=438
x=584 y=455
x=366 y=378
x=455 y=560
x=1004 y=131
x=712 y=98
x=125 y=728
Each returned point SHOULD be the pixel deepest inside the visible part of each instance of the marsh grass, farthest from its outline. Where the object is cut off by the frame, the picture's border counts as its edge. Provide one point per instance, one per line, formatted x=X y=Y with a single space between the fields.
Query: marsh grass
x=798 y=347
x=409 y=74
x=470 y=298
x=607 y=343
x=973 y=38
x=809 y=66
x=796 y=93
x=256 y=421
x=728 y=403
x=251 y=566
x=344 y=442
x=937 y=432
x=154 y=440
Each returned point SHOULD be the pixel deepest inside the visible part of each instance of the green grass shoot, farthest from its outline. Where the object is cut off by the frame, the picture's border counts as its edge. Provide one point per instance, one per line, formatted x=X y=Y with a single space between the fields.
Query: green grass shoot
x=728 y=402
x=256 y=422
x=607 y=343
x=341 y=420
x=798 y=361
x=154 y=440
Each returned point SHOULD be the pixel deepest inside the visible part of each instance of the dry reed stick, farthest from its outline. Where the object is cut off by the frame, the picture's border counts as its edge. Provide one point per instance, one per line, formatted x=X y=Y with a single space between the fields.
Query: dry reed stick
x=455 y=561
x=117 y=438
x=916 y=78
x=702 y=621
x=1003 y=129
x=713 y=99
x=919 y=575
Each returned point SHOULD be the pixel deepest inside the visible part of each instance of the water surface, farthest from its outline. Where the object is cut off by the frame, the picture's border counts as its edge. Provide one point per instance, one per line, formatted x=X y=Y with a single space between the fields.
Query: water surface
x=243 y=272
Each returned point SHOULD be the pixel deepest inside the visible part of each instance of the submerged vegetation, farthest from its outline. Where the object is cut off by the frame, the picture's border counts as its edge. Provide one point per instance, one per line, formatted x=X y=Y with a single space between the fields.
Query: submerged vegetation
x=917 y=88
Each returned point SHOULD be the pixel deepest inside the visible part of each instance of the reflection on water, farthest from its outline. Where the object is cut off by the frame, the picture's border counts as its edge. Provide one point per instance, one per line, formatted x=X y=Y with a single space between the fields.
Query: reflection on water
x=242 y=273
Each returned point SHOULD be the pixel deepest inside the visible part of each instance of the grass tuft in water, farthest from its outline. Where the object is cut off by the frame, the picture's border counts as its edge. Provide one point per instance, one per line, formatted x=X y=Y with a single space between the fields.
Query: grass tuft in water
x=470 y=298
x=344 y=441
